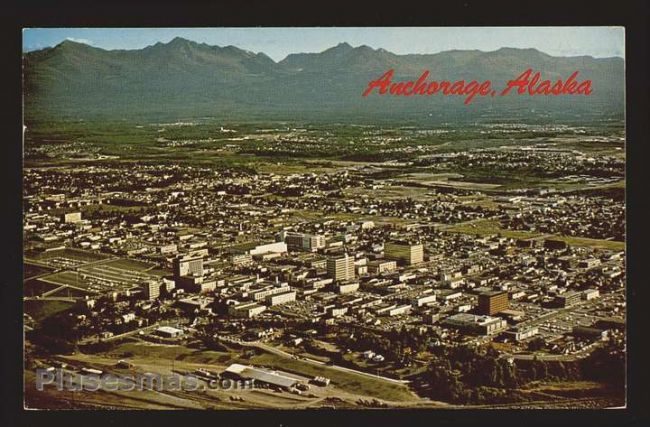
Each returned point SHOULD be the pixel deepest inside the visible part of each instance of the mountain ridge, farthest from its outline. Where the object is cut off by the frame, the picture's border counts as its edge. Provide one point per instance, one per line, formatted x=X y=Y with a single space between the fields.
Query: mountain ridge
x=183 y=77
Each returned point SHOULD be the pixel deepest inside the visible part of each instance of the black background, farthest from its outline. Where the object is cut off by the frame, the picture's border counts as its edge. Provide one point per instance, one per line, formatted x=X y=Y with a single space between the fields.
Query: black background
x=634 y=15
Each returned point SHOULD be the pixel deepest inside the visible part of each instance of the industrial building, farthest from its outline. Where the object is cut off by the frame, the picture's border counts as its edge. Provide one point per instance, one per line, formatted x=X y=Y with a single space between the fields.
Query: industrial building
x=168 y=332
x=276 y=248
x=275 y=379
x=589 y=333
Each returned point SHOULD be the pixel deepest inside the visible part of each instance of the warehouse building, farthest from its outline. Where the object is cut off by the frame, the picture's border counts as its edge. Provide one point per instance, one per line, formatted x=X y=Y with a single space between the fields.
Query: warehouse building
x=168 y=332
x=275 y=379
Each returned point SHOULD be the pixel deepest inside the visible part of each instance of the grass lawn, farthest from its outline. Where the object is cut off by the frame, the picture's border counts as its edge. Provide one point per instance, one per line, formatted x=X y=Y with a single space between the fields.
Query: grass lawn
x=491 y=226
x=171 y=352
x=594 y=243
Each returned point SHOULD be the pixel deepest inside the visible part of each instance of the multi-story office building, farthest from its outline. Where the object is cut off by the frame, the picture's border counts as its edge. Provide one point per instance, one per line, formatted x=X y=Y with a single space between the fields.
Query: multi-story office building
x=281 y=298
x=188 y=266
x=568 y=299
x=152 y=289
x=341 y=268
x=405 y=253
x=380 y=266
x=492 y=302
x=302 y=242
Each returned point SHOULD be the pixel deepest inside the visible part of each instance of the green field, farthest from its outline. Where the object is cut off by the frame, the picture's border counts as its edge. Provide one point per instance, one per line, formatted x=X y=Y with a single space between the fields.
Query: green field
x=491 y=226
x=612 y=245
x=350 y=382
x=488 y=227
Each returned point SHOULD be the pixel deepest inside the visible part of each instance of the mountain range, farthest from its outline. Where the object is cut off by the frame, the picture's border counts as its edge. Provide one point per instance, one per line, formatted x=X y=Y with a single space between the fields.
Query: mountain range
x=184 y=79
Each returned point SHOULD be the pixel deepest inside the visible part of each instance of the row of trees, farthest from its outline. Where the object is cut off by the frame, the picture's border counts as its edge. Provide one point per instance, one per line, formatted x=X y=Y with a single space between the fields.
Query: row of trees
x=466 y=374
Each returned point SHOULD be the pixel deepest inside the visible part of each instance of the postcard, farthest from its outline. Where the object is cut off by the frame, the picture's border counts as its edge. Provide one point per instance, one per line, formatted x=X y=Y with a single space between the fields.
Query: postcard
x=336 y=218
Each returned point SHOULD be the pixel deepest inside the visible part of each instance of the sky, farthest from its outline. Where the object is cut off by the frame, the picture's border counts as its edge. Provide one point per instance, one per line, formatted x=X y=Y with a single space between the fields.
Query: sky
x=277 y=43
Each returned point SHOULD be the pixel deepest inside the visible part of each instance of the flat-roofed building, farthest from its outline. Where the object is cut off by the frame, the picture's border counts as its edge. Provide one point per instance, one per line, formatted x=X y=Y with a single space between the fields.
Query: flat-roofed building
x=196 y=284
x=568 y=299
x=590 y=294
x=341 y=268
x=195 y=303
x=492 y=302
x=521 y=334
x=302 y=241
x=274 y=379
x=242 y=259
x=71 y=217
x=406 y=253
x=168 y=332
x=473 y=324
x=424 y=300
x=283 y=298
x=261 y=294
x=168 y=249
x=399 y=310
x=188 y=266
x=337 y=311
x=347 y=288
x=151 y=289
x=380 y=266
x=246 y=310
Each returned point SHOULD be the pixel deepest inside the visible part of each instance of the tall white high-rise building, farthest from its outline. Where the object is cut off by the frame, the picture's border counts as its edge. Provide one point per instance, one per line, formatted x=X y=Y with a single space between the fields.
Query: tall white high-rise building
x=341 y=268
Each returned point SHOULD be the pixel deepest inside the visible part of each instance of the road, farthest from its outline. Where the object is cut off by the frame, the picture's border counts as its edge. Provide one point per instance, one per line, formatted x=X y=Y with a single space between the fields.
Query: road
x=282 y=353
